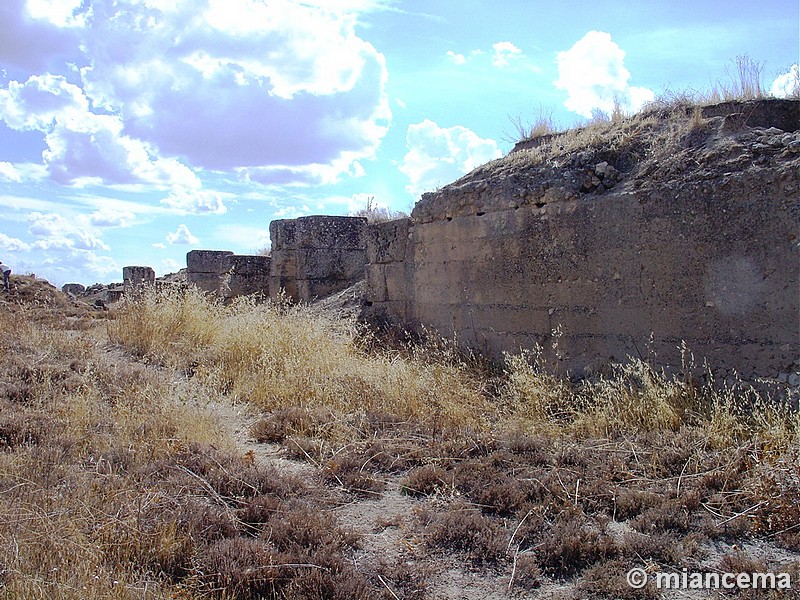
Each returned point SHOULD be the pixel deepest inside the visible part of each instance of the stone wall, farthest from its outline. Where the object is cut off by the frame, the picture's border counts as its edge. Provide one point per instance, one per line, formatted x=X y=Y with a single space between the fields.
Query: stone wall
x=226 y=274
x=700 y=247
x=136 y=278
x=386 y=273
x=209 y=270
x=249 y=275
x=313 y=257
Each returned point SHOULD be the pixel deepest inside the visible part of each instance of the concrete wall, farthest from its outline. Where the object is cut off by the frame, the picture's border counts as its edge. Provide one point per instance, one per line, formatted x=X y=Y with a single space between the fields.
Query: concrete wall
x=316 y=256
x=249 y=275
x=717 y=272
x=709 y=257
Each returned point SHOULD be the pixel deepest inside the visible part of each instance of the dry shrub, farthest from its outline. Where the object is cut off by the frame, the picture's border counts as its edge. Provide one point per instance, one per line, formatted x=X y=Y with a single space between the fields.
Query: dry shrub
x=284 y=422
x=407 y=578
x=637 y=398
x=348 y=471
x=299 y=554
x=572 y=544
x=607 y=580
x=464 y=529
x=526 y=572
x=532 y=396
x=427 y=480
x=487 y=486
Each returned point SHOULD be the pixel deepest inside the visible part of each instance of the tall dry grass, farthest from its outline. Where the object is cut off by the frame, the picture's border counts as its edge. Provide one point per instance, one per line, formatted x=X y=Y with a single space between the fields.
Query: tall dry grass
x=274 y=355
x=278 y=356
x=77 y=433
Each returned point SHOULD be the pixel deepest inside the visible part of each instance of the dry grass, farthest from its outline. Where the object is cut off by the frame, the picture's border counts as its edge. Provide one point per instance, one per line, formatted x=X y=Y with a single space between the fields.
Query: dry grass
x=114 y=484
x=279 y=356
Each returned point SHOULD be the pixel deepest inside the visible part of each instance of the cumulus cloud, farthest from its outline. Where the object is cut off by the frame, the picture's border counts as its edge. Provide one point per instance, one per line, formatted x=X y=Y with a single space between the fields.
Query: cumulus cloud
x=107 y=217
x=182 y=236
x=164 y=89
x=31 y=42
x=594 y=76
x=438 y=155
x=13 y=244
x=275 y=83
x=456 y=58
x=82 y=146
x=56 y=231
x=787 y=85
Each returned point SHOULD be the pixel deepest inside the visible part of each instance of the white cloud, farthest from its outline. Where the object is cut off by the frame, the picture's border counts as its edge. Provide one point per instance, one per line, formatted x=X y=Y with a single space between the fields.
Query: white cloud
x=163 y=88
x=108 y=217
x=13 y=244
x=169 y=265
x=787 y=85
x=437 y=156
x=182 y=236
x=456 y=58
x=594 y=76
x=9 y=173
x=22 y=172
x=196 y=201
x=242 y=84
x=40 y=101
x=55 y=231
x=30 y=43
x=503 y=53
x=84 y=147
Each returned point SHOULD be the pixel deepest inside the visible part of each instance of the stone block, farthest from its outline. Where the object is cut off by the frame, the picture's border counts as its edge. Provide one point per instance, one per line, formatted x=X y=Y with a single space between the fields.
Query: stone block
x=282 y=234
x=283 y=264
x=331 y=263
x=208 y=261
x=250 y=264
x=75 y=289
x=136 y=278
x=283 y=287
x=386 y=242
x=343 y=233
x=212 y=283
x=375 y=276
x=309 y=290
x=396 y=278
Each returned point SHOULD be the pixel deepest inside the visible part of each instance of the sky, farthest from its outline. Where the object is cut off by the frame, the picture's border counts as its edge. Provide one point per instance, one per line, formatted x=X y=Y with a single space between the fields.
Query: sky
x=133 y=131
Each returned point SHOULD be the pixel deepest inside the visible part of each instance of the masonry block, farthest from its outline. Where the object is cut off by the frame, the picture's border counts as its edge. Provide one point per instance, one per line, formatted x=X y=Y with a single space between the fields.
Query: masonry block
x=386 y=242
x=208 y=261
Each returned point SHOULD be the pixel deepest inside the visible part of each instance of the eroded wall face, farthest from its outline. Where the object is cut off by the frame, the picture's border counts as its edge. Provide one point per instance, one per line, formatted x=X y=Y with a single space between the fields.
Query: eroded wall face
x=209 y=270
x=713 y=265
x=135 y=279
x=313 y=257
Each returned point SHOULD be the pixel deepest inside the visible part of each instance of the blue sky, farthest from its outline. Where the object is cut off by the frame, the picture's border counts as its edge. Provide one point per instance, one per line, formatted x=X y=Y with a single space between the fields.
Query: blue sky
x=132 y=131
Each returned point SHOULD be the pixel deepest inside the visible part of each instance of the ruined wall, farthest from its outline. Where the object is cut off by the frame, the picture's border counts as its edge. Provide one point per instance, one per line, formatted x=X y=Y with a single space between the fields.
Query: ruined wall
x=209 y=270
x=249 y=275
x=698 y=247
x=316 y=256
x=386 y=273
x=136 y=278
x=226 y=274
